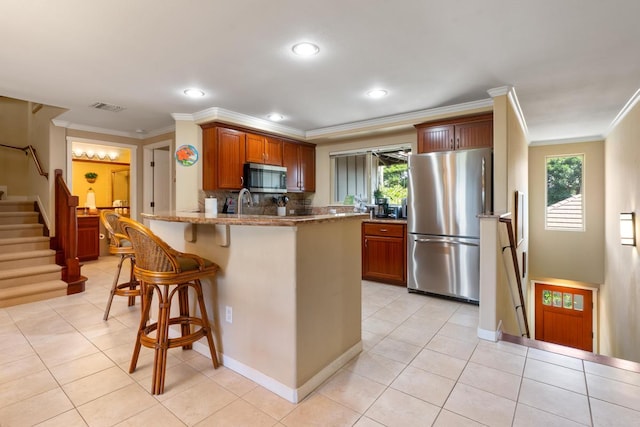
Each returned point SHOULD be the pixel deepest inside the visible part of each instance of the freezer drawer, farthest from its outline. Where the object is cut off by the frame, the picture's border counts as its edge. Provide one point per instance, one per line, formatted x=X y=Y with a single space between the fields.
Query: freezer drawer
x=444 y=265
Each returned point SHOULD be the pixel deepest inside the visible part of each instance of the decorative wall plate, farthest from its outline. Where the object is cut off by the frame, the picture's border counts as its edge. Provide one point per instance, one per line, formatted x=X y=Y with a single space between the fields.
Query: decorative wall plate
x=186 y=155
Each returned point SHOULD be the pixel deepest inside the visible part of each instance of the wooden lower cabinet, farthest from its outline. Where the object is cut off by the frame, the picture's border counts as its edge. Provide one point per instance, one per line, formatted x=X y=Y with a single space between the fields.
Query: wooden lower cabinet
x=384 y=252
x=88 y=237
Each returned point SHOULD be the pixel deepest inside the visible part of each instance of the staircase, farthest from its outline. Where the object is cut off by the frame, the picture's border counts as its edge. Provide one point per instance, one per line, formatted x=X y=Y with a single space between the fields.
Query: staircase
x=28 y=271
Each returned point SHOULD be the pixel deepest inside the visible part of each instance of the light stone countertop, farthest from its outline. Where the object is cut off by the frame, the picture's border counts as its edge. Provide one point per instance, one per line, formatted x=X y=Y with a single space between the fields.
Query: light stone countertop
x=235 y=219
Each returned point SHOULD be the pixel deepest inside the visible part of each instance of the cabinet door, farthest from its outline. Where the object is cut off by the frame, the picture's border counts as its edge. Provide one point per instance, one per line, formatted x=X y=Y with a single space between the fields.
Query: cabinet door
x=272 y=151
x=255 y=148
x=307 y=158
x=383 y=259
x=230 y=159
x=290 y=161
x=209 y=159
x=477 y=134
x=435 y=138
x=88 y=238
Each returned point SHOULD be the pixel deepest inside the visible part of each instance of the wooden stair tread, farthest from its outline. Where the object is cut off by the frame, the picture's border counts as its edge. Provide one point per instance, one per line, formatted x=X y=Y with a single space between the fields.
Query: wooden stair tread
x=27 y=254
x=18 y=213
x=19 y=226
x=28 y=271
x=14 y=240
x=33 y=288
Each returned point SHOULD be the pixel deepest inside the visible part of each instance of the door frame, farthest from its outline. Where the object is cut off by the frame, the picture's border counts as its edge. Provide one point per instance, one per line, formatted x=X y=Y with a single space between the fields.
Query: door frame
x=133 y=167
x=147 y=173
x=594 y=320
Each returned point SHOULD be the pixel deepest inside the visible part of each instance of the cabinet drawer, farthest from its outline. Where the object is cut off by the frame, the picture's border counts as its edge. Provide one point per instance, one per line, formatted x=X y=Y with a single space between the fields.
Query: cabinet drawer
x=383 y=229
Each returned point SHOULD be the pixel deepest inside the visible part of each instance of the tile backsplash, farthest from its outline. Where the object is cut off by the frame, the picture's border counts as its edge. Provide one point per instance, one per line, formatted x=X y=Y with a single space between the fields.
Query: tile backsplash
x=298 y=204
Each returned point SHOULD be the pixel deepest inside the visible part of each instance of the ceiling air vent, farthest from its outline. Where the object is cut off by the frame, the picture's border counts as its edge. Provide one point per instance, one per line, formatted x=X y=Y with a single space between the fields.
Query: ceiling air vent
x=105 y=106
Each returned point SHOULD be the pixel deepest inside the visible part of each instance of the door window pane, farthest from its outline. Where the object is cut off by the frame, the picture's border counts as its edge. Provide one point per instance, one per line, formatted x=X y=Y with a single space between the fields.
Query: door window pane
x=564 y=192
x=578 y=302
x=546 y=297
x=568 y=300
x=557 y=299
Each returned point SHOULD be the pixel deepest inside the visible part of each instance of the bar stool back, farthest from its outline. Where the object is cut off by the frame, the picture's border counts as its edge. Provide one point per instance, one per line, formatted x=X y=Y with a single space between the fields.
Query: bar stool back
x=165 y=272
x=120 y=245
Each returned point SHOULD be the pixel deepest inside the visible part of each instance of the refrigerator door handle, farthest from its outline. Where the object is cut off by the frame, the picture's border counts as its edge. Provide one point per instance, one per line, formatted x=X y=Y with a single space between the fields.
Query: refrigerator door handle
x=453 y=242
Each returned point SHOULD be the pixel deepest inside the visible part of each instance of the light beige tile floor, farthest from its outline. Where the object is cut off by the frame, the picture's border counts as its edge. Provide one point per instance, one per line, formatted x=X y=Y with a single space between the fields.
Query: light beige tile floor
x=422 y=365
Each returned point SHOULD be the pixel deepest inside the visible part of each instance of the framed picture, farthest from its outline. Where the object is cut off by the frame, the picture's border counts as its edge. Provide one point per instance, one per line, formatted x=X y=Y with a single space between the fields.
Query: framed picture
x=519 y=217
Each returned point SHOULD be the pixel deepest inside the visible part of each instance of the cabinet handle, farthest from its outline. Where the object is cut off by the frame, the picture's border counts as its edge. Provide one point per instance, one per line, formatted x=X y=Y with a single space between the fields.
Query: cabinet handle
x=242 y=181
x=365 y=242
x=383 y=230
x=457 y=143
x=452 y=146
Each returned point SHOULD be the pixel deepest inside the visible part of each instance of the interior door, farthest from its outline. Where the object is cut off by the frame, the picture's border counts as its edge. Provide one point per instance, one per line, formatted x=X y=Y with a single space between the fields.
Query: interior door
x=564 y=316
x=161 y=176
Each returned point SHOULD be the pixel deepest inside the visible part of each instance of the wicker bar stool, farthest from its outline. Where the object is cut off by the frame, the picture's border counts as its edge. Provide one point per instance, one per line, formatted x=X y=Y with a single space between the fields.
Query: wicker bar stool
x=165 y=272
x=120 y=245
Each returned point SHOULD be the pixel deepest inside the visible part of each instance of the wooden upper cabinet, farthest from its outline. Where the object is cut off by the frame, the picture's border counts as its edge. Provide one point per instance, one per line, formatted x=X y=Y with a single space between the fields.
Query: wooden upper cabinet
x=300 y=160
x=456 y=134
x=476 y=134
x=263 y=149
x=254 y=150
x=308 y=167
x=436 y=138
x=290 y=160
x=273 y=151
x=223 y=158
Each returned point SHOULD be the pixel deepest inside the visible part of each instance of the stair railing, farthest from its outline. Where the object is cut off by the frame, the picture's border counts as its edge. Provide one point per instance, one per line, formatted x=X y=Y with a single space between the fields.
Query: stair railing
x=516 y=269
x=30 y=150
x=66 y=239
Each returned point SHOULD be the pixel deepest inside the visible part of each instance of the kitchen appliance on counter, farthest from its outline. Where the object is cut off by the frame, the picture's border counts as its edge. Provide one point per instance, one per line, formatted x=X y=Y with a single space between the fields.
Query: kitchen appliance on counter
x=382 y=207
x=447 y=191
x=394 y=212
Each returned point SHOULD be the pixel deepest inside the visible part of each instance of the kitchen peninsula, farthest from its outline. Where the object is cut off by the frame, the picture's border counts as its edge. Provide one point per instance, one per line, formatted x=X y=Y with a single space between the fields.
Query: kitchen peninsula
x=287 y=301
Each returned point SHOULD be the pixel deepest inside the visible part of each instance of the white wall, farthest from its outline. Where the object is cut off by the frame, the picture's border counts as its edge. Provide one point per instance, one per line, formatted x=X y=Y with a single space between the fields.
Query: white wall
x=620 y=295
x=570 y=255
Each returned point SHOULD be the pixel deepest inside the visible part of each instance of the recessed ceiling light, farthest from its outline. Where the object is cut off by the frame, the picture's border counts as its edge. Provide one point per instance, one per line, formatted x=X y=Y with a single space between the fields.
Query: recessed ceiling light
x=194 y=93
x=305 y=49
x=275 y=117
x=377 y=93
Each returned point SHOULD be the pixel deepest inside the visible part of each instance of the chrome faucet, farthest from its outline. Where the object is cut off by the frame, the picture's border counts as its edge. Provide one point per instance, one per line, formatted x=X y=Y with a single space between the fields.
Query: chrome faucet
x=241 y=195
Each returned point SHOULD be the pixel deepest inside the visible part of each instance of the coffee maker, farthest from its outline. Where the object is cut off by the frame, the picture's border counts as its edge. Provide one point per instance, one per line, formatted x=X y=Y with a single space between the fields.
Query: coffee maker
x=382 y=207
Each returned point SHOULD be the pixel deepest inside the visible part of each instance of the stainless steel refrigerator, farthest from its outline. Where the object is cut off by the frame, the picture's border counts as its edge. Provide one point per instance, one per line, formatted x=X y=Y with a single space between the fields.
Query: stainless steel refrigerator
x=447 y=191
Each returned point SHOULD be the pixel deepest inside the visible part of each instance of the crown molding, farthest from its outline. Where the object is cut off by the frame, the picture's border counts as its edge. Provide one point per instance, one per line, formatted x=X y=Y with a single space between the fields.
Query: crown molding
x=510 y=92
x=217 y=114
x=76 y=126
x=576 y=140
x=624 y=111
x=407 y=119
x=513 y=98
x=499 y=91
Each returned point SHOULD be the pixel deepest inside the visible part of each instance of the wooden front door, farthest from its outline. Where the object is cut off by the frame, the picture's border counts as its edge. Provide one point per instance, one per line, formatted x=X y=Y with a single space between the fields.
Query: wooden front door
x=564 y=316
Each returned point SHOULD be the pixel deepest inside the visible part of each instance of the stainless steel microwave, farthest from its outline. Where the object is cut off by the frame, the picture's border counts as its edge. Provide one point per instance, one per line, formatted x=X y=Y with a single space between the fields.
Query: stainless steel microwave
x=260 y=178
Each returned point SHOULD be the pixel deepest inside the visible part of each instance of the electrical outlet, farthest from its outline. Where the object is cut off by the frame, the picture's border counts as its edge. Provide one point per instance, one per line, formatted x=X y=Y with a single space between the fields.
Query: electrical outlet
x=228 y=314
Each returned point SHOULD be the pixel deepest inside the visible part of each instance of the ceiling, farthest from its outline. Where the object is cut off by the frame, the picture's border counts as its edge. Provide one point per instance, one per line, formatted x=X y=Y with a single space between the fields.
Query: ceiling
x=574 y=64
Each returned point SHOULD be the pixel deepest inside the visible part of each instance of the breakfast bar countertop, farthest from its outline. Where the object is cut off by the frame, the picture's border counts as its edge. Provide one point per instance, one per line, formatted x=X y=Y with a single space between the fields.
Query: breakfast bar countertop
x=242 y=219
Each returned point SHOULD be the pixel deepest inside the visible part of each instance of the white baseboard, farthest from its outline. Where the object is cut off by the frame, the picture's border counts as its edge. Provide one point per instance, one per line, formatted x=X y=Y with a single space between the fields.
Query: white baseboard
x=489 y=335
x=293 y=395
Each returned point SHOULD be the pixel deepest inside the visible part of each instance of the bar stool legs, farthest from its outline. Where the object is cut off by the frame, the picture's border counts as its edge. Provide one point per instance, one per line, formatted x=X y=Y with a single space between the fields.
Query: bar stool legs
x=156 y=335
x=128 y=289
